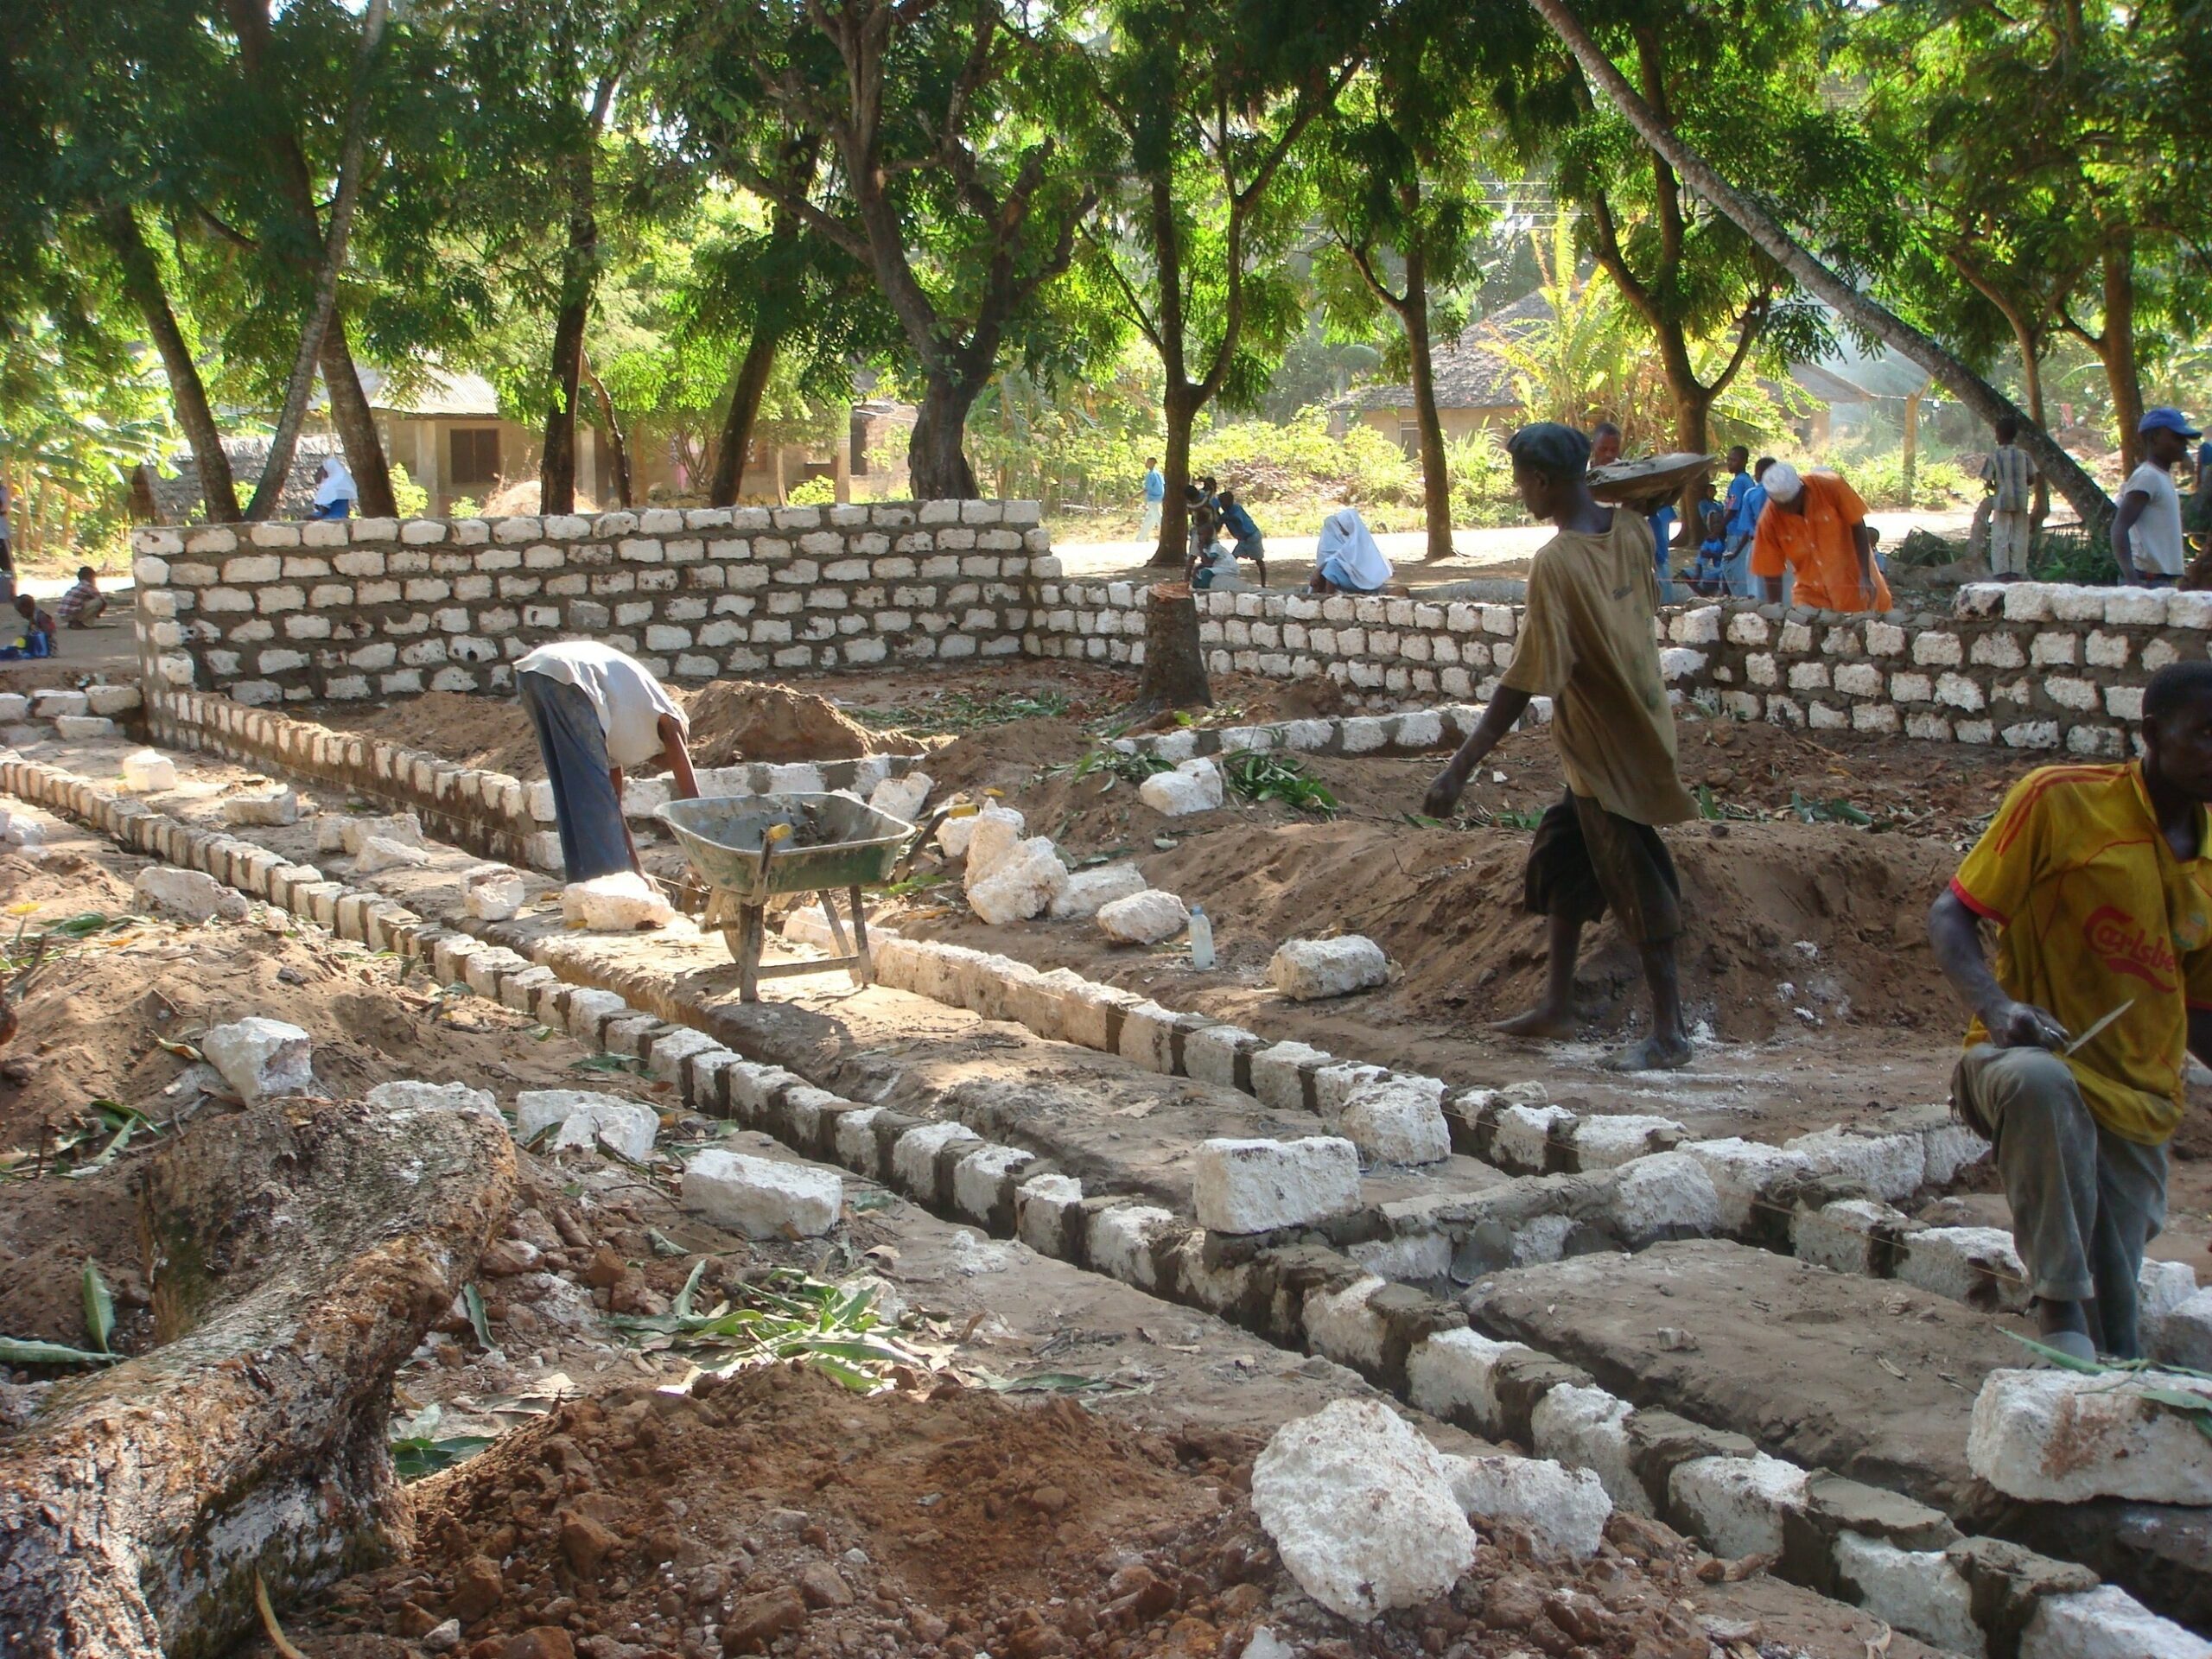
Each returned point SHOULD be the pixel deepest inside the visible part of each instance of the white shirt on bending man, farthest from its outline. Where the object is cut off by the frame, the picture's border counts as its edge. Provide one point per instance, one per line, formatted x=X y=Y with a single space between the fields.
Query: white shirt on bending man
x=630 y=702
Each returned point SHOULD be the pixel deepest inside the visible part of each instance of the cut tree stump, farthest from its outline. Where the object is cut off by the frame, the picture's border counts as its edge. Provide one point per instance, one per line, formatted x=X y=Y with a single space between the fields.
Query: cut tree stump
x=296 y=1262
x=1175 y=674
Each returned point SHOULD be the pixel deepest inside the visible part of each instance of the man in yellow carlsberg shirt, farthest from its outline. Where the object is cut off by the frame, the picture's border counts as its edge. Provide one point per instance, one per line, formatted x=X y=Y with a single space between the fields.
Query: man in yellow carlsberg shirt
x=2098 y=879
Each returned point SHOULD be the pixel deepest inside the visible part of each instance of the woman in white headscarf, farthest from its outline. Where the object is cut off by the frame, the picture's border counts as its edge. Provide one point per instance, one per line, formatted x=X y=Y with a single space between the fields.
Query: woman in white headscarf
x=1346 y=559
x=334 y=493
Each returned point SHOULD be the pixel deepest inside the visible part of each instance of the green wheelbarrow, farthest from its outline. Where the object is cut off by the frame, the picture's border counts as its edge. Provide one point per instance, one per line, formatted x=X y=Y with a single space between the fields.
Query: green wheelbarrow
x=748 y=848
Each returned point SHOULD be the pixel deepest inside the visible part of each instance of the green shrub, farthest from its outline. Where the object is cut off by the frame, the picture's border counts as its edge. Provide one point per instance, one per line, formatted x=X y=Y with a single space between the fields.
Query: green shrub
x=1482 y=480
x=1879 y=480
x=811 y=493
x=411 y=498
x=1298 y=460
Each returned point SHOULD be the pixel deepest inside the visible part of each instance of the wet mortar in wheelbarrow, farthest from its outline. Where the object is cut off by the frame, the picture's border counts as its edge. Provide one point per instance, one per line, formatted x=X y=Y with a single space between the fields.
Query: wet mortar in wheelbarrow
x=747 y=849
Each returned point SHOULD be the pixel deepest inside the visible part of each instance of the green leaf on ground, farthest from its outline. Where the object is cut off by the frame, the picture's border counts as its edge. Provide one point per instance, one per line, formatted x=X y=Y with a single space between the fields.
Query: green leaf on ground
x=99 y=1308
x=472 y=1302
x=20 y=1350
x=604 y=1063
x=1259 y=775
x=417 y=1456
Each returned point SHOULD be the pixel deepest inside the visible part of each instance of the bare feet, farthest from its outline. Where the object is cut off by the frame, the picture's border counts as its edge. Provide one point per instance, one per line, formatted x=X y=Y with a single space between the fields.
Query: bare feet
x=1555 y=1025
x=1653 y=1053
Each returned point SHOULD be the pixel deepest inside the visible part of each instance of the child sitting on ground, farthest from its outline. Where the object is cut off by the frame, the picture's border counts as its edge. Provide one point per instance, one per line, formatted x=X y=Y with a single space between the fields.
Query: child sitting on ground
x=84 y=604
x=37 y=637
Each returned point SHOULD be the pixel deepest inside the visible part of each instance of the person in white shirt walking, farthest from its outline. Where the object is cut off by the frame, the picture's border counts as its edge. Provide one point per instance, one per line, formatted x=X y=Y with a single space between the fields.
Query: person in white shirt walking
x=2011 y=478
x=2146 y=541
x=598 y=712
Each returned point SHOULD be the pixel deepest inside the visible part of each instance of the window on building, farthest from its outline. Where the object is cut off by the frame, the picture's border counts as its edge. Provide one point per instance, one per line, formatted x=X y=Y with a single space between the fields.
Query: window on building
x=475 y=454
x=1409 y=439
x=860 y=444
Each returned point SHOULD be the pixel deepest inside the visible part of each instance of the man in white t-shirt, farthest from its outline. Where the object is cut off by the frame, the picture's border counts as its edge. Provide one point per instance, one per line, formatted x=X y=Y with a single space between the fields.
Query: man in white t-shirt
x=2146 y=530
x=598 y=712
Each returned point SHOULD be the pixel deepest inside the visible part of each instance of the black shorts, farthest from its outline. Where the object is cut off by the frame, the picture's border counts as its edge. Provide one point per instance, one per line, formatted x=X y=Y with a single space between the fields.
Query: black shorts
x=1585 y=860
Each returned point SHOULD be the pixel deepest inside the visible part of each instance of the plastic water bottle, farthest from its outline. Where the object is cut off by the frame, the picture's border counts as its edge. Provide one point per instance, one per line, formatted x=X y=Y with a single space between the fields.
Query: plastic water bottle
x=1201 y=939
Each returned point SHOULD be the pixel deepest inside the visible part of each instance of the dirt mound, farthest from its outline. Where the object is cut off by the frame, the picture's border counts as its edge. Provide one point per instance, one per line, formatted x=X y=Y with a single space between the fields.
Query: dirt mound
x=1833 y=915
x=1829 y=909
x=522 y=497
x=491 y=733
x=734 y=721
x=1271 y=700
x=949 y=1523
x=1007 y=757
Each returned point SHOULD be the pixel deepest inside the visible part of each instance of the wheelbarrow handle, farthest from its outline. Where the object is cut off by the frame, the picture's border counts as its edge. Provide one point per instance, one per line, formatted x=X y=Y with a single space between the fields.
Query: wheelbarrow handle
x=923 y=833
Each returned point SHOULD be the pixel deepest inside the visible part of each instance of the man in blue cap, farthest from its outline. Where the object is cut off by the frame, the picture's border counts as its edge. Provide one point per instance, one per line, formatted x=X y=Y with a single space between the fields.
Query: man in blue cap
x=2146 y=541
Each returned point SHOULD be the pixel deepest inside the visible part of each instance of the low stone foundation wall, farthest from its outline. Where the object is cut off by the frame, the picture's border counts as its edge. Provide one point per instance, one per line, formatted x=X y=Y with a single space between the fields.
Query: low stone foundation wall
x=2029 y=665
x=382 y=607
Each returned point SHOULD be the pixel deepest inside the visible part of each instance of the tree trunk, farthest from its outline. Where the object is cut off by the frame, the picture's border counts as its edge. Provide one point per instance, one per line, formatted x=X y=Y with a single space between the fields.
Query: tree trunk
x=141 y=281
x=2031 y=378
x=1911 y=447
x=294 y=1267
x=1179 y=412
x=556 y=466
x=2075 y=485
x=1693 y=418
x=1435 y=477
x=2121 y=374
x=277 y=468
x=619 y=445
x=1174 y=675
x=752 y=373
x=356 y=423
x=935 y=461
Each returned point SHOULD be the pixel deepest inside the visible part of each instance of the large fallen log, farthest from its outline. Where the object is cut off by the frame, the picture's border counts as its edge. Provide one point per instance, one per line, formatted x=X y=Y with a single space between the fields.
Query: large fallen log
x=296 y=1257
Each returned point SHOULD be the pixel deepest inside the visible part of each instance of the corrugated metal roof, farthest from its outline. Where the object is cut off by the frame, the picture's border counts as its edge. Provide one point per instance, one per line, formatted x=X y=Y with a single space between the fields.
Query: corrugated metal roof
x=432 y=392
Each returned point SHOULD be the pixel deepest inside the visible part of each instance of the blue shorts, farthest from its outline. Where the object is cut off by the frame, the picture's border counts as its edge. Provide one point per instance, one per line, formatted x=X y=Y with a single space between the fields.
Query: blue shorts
x=1331 y=571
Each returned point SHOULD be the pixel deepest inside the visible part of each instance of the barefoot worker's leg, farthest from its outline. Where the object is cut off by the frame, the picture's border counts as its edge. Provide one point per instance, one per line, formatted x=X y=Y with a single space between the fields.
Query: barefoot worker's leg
x=1554 y=1017
x=1637 y=876
x=1668 y=1045
x=1560 y=884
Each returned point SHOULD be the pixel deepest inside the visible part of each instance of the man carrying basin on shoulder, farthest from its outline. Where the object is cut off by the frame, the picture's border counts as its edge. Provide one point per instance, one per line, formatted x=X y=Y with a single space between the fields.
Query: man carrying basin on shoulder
x=1586 y=641
x=598 y=713
x=2099 y=881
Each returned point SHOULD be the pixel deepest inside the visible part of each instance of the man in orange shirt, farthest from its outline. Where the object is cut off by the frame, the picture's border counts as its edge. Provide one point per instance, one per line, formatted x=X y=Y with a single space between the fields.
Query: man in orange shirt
x=1815 y=524
x=2099 y=881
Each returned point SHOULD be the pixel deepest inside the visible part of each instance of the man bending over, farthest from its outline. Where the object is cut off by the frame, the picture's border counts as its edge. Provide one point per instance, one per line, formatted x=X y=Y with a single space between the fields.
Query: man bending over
x=1587 y=643
x=2099 y=881
x=598 y=712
